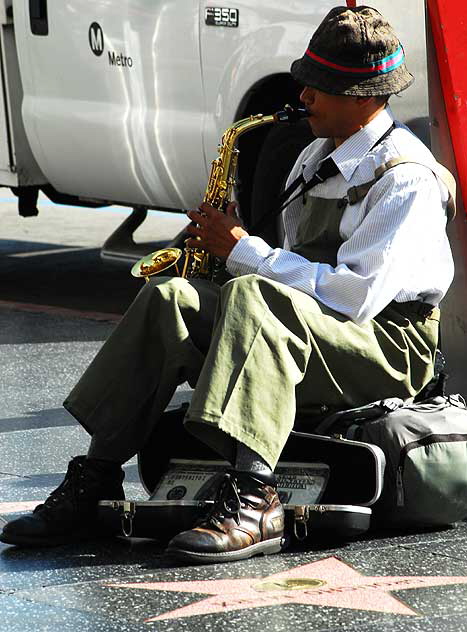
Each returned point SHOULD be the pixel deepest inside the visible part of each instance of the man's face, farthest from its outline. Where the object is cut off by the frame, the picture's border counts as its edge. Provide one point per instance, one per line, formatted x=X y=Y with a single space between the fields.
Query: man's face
x=331 y=116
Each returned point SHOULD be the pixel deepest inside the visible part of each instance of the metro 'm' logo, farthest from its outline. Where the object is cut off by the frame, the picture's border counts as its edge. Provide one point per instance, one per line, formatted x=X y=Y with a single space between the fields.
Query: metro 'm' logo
x=96 y=39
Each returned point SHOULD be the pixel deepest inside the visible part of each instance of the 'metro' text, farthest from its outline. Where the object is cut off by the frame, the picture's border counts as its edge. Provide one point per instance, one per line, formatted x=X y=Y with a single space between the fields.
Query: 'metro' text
x=120 y=60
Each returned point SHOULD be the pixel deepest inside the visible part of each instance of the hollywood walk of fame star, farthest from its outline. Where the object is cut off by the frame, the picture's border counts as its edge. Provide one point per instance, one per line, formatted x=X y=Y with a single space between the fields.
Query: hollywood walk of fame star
x=328 y=582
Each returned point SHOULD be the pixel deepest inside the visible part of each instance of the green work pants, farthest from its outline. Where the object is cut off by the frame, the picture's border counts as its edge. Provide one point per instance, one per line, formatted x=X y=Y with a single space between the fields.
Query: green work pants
x=266 y=353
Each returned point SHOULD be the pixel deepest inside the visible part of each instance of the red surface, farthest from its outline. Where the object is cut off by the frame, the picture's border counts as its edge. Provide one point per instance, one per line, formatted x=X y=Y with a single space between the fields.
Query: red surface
x=448 y=20
x=341 y=587
x=58 y=311
x=351 y=3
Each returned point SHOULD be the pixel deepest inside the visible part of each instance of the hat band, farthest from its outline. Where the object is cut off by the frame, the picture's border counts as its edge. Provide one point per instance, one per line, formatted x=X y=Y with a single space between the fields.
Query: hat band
x=379 y=67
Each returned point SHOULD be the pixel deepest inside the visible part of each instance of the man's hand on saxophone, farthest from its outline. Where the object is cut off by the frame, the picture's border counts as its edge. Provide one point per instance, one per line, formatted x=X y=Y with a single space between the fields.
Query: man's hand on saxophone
x=214 y=231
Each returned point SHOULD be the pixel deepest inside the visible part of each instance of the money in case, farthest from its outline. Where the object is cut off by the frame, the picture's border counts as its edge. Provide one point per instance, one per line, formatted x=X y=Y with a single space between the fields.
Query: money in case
x=326 y=484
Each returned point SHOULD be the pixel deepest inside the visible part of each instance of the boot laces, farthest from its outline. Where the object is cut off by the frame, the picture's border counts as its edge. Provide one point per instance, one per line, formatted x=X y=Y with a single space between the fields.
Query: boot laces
x=228 y=502
x=70 y=487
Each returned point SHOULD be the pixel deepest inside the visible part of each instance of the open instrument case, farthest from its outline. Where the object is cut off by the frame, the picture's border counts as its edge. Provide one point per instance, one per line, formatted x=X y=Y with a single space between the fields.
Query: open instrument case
x=327 y=485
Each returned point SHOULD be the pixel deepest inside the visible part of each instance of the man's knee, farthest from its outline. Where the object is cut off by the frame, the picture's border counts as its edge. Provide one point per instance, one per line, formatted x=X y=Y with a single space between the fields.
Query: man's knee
x=252 y=290
x=246 y=284
x=169 y=298
x=160 y=295
x=167 y=287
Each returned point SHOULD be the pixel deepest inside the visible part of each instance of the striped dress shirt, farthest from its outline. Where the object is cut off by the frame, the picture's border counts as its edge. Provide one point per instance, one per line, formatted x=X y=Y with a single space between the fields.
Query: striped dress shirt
x=394 y=241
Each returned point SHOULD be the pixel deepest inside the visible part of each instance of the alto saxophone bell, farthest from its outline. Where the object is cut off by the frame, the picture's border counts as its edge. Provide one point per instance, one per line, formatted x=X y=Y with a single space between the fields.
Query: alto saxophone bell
x=157 y=262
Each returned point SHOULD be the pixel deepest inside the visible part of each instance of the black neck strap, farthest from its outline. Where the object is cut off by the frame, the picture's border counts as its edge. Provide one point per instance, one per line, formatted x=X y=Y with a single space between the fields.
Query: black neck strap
x=327 y=169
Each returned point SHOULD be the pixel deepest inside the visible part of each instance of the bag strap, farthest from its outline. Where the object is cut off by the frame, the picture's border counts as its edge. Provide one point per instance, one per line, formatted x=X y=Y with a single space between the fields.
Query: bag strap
x=348 y=421
x=357 y=415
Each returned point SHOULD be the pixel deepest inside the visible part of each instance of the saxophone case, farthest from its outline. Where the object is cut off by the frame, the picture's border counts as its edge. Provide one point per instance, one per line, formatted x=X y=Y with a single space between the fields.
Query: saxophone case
x=327 y=485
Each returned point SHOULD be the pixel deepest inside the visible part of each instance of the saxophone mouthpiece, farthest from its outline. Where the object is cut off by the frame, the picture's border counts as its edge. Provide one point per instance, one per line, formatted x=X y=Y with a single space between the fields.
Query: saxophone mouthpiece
x=290 y=114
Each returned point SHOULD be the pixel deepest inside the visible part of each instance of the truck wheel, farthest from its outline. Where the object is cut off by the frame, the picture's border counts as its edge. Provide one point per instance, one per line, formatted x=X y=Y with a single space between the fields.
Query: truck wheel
x=277 y=156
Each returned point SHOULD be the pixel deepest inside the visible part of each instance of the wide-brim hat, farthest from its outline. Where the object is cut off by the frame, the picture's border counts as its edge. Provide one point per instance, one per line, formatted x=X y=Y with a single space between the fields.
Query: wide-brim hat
x=354 y=51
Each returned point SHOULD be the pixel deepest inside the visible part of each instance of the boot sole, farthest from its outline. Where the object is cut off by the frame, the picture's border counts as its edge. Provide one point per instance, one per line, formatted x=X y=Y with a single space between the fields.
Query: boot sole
x=268 y=547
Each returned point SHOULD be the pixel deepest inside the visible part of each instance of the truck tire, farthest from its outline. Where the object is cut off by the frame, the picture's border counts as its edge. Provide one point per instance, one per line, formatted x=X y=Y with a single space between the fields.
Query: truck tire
x=277 y=156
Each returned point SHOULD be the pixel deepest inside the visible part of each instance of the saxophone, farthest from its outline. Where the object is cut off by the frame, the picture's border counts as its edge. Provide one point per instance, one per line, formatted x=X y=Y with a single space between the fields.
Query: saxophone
x=197 y=262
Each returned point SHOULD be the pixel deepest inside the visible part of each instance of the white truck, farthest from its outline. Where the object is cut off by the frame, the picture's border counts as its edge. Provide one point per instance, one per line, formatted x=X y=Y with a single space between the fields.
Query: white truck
x=124 y=101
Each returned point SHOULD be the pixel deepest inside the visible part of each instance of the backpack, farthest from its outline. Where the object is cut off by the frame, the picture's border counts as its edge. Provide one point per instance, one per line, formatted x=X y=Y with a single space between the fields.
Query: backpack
x=425 y=445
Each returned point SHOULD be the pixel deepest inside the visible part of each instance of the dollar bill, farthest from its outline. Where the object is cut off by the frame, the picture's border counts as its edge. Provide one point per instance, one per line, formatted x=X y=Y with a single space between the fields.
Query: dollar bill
x=297 y=483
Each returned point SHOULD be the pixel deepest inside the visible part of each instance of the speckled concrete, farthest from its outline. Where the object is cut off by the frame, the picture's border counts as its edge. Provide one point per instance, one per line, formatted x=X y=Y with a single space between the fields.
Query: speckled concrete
x=97 y=586
x=85 y=583
x=94 y=585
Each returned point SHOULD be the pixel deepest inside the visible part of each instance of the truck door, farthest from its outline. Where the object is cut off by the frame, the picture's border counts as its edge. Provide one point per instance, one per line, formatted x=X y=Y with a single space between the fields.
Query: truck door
x=113 y=97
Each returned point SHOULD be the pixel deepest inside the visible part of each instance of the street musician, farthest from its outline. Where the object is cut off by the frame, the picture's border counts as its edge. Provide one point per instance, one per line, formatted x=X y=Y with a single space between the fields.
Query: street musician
x=346 y=312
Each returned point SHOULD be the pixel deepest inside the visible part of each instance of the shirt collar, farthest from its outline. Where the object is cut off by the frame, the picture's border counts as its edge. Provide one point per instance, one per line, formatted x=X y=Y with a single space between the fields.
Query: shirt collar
x=352 y=151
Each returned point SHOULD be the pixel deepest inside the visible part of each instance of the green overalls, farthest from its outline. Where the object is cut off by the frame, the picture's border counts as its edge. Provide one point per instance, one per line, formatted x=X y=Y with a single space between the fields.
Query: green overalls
x=265 y=354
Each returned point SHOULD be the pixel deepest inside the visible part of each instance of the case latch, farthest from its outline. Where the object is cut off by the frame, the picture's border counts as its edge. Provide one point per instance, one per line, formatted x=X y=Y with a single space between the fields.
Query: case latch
x=301 y=515
x=127 y=513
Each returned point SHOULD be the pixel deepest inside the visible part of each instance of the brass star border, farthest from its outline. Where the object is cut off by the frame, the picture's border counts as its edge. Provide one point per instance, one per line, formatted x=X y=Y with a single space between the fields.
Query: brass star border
x=328 y=582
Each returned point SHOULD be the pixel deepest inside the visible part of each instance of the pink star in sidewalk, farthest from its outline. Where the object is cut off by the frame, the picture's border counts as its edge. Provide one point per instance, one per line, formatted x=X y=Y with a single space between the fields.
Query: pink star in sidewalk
x=328 y=582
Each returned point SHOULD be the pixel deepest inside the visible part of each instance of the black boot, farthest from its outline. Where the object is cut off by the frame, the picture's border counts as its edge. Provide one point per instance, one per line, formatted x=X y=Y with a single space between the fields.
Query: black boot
x=70 y=512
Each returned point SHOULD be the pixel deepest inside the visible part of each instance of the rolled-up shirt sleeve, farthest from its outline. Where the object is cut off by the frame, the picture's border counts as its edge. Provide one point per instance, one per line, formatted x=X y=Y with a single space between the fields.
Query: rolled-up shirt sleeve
x=401 y=236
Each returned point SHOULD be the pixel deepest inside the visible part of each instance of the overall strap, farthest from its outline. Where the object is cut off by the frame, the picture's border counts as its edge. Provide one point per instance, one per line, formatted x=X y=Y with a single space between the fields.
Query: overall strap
x=357 y=193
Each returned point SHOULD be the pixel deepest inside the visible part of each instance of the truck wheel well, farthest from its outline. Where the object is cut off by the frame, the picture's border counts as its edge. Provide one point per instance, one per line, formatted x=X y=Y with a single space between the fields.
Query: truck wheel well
x=267 y=96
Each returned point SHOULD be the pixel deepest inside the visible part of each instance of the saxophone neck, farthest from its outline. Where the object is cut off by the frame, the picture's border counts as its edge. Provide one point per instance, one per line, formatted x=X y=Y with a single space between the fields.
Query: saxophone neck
x=287 y=115
x=244 y=125
x=223 y=169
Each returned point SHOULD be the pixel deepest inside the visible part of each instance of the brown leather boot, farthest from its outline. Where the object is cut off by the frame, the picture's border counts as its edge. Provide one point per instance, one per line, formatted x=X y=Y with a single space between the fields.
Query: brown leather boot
x=247 y=519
